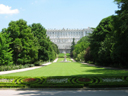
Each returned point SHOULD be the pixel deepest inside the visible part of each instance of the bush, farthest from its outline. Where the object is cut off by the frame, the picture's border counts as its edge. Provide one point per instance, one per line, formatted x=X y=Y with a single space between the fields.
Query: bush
x=88 y=56
x=31 y=65
x=2 y=68
x=38 y=63
x=21 y=66
x=13 y=67
x=26 y=65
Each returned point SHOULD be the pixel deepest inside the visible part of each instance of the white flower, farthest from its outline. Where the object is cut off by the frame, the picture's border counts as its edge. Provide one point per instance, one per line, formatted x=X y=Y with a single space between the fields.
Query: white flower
x=65 y=80
x=112 y=80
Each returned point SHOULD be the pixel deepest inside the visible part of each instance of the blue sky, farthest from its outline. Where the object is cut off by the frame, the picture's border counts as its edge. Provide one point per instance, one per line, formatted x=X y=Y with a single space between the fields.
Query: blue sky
x=57 y=14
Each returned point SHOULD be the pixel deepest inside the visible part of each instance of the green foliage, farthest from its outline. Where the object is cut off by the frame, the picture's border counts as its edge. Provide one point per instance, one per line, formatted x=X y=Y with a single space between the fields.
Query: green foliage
x=99 y=45
x=119 y=49
x=69 y=69
x=88 y=56
x=13 y=67
x=24 y=45
x=64 y=82
x=55 y=48
x=27 y=44
x=61 y=55
x=110 y=39
x=5 y=53
x=80 y=56
x=17 y=47
x=38 y=63
x=47 y=49
x=72 y=48
x=80 y=47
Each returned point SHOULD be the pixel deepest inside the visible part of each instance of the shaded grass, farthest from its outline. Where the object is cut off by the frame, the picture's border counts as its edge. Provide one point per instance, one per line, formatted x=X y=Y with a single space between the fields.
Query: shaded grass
x=69 y=69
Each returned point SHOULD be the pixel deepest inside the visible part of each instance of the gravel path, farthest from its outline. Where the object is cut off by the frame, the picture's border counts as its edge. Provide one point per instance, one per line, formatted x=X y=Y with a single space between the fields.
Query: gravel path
x=9 y=92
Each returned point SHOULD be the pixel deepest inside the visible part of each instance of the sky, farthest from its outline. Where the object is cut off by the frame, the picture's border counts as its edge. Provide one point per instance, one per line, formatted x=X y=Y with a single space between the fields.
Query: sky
x=57 y=14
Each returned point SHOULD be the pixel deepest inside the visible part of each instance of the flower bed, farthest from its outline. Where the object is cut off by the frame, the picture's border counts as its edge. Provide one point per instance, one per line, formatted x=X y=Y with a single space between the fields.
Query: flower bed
x=64 y=82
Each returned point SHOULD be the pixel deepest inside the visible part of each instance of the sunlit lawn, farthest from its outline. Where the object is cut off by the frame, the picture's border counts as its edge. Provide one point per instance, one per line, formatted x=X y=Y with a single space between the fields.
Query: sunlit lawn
x=62 y=55
x=69 y=69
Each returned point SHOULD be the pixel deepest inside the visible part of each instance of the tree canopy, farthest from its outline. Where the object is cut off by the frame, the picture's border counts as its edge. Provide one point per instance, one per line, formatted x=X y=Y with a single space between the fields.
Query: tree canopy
x=80 y=47
x=21 y=44
x=110 y=38
x=5 y=53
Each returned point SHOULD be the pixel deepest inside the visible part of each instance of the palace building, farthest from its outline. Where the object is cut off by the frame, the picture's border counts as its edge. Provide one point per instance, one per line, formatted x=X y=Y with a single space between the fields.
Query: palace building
x=64 y=37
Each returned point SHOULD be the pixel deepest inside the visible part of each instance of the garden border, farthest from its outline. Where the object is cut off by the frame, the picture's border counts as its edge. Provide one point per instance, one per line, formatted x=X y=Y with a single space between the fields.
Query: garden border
x=64 y=82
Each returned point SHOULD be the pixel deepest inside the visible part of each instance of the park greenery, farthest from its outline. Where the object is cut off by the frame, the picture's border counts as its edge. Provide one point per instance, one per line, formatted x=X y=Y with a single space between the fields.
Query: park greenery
x=64 y=82
x=21 y=44
x=69 y=75
x=61 y=55
x=79 y=49
x=69 y=69
x=107 y=45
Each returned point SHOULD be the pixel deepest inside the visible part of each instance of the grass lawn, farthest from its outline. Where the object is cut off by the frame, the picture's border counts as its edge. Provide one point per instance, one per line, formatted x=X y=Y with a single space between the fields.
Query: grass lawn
x=69 y=69
x=61 y=55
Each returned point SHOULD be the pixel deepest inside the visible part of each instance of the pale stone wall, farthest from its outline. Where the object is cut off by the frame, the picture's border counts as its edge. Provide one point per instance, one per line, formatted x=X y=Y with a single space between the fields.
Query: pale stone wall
x=64 y=37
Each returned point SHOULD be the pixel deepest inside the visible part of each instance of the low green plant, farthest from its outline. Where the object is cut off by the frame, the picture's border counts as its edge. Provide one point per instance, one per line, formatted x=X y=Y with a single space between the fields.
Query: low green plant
x=39 y=63
x=14 y=67
x=31 y=65
x=21 y=66
x=26 y=65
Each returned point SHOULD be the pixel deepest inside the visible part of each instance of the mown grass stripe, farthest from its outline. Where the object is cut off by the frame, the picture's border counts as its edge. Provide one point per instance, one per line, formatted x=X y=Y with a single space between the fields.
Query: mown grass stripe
x=69 y=69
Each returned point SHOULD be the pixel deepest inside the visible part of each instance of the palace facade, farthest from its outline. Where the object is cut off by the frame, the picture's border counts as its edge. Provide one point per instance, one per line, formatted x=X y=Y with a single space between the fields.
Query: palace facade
x=64 y=37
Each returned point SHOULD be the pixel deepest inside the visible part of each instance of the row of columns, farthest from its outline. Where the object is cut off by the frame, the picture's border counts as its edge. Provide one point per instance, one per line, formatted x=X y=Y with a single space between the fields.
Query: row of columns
x=64 y=50
x=65 y=46
x=66 y=34
x=63 y=40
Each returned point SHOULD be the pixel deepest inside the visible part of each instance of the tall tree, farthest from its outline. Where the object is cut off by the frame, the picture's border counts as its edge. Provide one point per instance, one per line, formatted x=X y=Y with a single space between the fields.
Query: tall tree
x=120 y=49
x=72 y=48
x=5 y=53
x=46 y=51
x=55 y=48
x=99 y=43
x=80 y=47
x=24 y=45
x=17 y=47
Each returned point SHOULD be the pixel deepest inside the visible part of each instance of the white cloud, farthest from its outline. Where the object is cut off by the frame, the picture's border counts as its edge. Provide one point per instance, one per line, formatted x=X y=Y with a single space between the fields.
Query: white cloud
x=7 y=10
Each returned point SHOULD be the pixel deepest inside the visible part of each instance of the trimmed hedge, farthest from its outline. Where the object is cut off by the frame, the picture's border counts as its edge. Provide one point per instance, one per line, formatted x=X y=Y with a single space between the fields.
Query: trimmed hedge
x=64 y=82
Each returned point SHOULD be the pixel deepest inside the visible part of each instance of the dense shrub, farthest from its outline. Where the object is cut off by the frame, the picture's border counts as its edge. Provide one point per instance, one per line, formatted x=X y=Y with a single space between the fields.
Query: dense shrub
x=88 y=56
x=79 y=49
x=39 y=63
x=109 y=40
